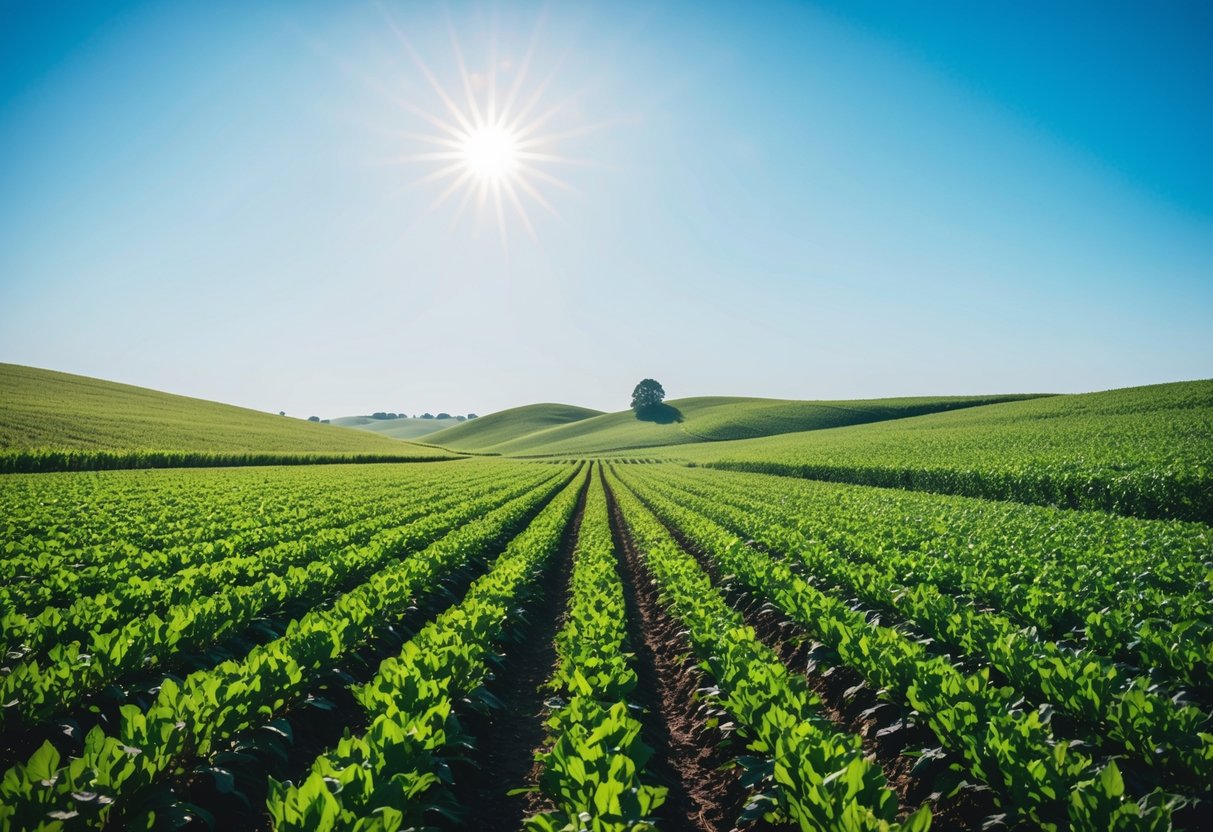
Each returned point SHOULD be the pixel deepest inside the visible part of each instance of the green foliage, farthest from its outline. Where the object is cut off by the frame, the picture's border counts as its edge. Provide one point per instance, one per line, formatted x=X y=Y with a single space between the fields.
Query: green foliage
x=399 y=762
x=704 y=419
x=818 y=778
x=1044 y=783
x=191 y=718
x=481 y=434
x=647 y=394
x=58 y=422
x=1064 y=657
x=1143 y=451
x=592 y=771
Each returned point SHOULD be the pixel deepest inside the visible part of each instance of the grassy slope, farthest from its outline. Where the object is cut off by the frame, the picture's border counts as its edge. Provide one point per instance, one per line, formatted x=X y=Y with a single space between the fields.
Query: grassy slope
x=713 y=418
x=495 y=428
x=1144 y=450
x=396 y=428
x=43 y=411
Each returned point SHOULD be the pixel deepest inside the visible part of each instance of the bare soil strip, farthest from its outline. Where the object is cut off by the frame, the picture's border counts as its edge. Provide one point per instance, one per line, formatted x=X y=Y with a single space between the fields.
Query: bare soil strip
x=285 y=747
x=890 y=736
x=507 y=738
x=705 y=791
x=66 y=731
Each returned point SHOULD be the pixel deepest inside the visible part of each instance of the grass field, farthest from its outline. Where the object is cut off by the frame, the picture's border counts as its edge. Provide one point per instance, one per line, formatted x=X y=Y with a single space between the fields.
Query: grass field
x=685 y=421
x=483 y=434
x=407 y=429
x=568 y=642
x=1145 y=451
x=53 y=421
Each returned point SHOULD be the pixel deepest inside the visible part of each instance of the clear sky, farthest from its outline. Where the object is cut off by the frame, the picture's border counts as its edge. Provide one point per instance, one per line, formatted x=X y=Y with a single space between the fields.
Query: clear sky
x=831 y=200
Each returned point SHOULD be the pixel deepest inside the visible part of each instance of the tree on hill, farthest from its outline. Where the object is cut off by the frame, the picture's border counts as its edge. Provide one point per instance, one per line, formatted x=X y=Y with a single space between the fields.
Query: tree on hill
x=427 y=415
x=473 y=416
x=647 y=395
x=313 y=418
x=444 y=415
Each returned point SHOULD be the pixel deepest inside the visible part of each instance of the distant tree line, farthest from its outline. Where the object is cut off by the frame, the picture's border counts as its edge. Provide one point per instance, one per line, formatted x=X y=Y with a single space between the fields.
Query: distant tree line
x=458 y=418
x=380 y=414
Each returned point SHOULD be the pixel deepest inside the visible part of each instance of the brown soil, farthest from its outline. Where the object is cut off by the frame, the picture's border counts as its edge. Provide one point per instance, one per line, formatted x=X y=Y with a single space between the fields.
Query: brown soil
x=314 y=724
x=507 y=739
x=705 y=792
x=887 y=729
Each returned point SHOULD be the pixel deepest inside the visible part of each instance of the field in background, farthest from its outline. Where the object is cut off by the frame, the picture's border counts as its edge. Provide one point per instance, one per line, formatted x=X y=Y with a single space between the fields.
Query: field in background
x=407 y=428
x=1144 y=451
x=485 y=434
x=679 y=421
x=58 y=421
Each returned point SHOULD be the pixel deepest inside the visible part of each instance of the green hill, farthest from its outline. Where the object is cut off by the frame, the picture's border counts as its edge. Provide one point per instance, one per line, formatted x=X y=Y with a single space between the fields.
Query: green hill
x=55 y=421
x=1146 y=451
x=489 y=431
x=406 y=428
x=701 y=419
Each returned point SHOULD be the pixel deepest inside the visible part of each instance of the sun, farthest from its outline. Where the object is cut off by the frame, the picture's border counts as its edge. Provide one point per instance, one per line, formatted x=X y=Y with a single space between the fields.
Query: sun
x=491 y=138
x=490 y=152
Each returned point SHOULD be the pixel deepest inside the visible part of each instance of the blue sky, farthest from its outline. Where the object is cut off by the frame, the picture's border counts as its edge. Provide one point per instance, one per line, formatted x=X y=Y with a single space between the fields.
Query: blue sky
x=825 y=200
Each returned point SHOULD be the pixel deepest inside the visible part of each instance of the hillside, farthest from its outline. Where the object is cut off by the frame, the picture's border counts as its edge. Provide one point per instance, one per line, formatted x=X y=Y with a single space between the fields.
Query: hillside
x=1146 y=451
x=494 y=429
x=51 y=420
x=406 y=428
x=700 y=419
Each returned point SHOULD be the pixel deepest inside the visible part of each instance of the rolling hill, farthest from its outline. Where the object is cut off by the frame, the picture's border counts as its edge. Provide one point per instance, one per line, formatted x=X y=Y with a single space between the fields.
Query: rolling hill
x=53 y=421
x=683 y=421
x=1145 y=451
x=406 y=428
x=484 y=434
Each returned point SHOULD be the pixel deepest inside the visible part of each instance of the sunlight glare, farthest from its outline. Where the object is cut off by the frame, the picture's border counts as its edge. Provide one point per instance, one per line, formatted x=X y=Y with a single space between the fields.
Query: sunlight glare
x=493 y=149
x=490 y=152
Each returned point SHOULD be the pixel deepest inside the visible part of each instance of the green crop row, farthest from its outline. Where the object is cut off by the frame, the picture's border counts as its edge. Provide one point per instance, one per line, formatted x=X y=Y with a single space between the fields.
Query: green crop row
x=163 y=531
x=818 y=778
x=43 y=461
x=1145 y=452
x=1133 y=590
x=189 y=719
x=71 y=668
x=1111 y=700
x=1049 y=784
x=129 y=595
x=1151 y=494
x=593 y=767
x=385 y=778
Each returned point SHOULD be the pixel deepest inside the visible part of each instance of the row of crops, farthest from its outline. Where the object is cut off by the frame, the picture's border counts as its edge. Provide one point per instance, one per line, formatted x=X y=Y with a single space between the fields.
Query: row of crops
x=335 y=647
x=1143 y=452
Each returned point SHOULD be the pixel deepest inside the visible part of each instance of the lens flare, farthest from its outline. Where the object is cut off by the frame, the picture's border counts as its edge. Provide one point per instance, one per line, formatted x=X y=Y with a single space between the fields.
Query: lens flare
x=495 y=149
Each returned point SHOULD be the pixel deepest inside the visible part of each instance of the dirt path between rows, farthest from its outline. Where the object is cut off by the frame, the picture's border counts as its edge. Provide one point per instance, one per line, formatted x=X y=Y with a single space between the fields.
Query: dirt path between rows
x=507 y=740
x=854 y=707
x=705 y=792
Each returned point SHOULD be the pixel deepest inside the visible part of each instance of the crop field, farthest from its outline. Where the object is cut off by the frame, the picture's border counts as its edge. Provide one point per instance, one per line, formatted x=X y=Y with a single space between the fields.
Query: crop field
x=52 y=421
x=1143 y=451
x=559 y=645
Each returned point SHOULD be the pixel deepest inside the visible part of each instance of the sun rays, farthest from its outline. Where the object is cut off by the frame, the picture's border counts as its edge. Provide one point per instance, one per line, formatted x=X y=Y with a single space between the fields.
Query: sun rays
x=490 y=146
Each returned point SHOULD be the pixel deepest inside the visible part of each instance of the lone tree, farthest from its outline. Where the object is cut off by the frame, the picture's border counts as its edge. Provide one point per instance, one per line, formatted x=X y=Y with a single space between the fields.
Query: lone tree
x=648 y=394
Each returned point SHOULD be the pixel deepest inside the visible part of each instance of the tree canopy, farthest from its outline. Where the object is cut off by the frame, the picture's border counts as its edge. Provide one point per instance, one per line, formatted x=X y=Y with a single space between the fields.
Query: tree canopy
x=647 y=394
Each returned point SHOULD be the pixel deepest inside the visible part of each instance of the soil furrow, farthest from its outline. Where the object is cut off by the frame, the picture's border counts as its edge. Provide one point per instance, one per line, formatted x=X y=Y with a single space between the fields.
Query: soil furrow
x=285 y=746
x=705 y=792
x=890 y=736
x=507 y=739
